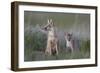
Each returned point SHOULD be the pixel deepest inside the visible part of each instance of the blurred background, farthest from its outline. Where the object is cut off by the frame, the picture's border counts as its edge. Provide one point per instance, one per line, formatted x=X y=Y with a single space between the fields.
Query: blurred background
x=35 y=39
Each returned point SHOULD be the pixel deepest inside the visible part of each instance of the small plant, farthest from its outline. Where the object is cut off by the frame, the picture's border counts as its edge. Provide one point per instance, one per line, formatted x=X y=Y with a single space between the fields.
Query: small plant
x=85 y=45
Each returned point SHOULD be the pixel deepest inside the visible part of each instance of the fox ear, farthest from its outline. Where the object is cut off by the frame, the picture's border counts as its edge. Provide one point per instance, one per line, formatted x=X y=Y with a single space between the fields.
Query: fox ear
x=48 y=21
x=51 y=20
x=52 y=23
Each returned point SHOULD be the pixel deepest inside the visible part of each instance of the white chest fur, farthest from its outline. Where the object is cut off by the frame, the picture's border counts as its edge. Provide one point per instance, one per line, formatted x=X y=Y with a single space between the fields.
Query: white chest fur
x=51 y=35
x=69 y=43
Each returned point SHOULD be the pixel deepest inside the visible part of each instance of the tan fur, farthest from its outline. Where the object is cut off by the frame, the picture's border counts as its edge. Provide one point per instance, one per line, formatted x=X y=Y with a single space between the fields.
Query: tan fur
x=51 y=45
x=69 y=41
x=51 y=41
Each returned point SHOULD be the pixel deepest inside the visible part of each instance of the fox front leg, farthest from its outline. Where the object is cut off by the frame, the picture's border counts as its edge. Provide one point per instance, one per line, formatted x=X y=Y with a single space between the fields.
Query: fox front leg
x=56 y=50
x=47 y=51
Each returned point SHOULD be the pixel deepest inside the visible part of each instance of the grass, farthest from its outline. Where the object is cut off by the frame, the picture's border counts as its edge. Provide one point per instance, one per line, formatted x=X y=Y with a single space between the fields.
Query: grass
x=35 y=47
x=39 y=56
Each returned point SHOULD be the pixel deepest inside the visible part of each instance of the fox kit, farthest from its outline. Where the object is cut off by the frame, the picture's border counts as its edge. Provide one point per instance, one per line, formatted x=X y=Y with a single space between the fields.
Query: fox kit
x=69 y=41
x=51 y=39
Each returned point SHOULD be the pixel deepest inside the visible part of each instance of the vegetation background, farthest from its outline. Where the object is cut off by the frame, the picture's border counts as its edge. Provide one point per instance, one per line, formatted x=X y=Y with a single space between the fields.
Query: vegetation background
x=35 y=40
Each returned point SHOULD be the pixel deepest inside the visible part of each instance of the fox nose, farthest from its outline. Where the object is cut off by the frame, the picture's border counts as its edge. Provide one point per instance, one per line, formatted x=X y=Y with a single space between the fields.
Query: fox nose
x=45 y=28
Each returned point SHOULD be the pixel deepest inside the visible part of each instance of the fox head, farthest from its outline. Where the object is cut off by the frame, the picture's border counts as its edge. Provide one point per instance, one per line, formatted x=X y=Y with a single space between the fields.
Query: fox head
x=68 y=36
x=49 y=26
